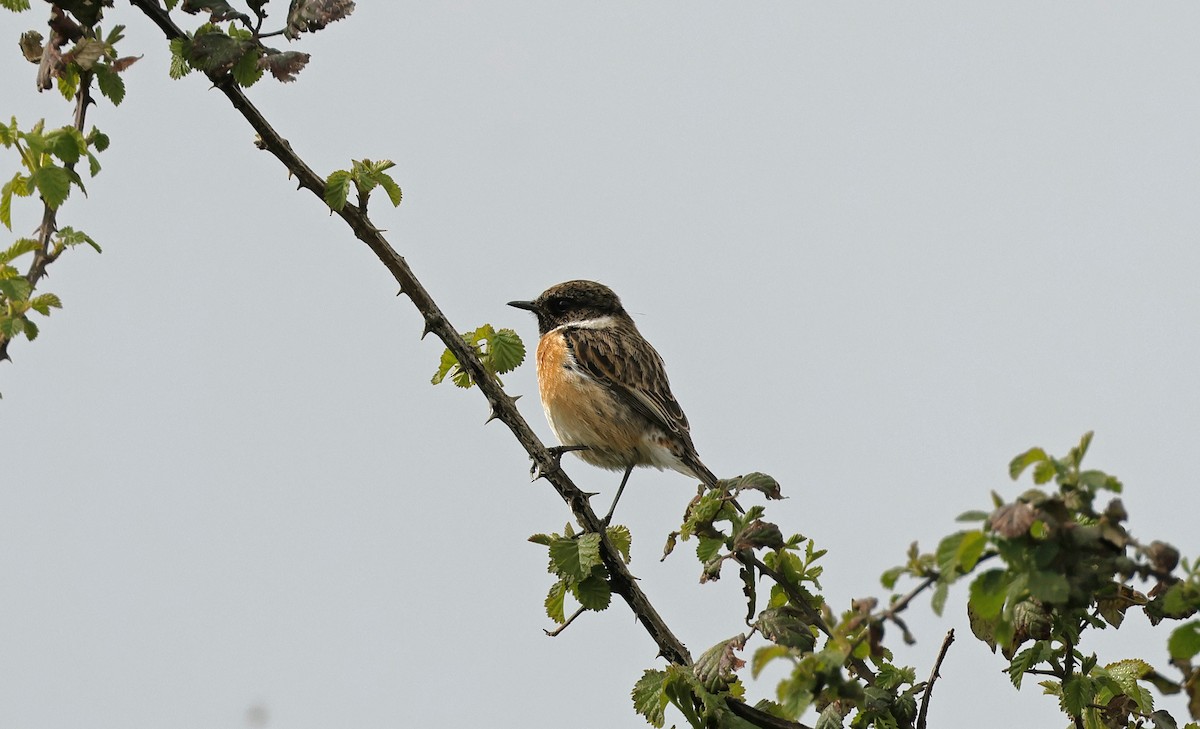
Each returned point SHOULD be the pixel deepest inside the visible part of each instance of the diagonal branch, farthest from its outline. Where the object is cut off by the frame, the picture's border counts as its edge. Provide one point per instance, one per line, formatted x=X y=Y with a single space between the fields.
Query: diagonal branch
x=503 y=406
x=934 y=675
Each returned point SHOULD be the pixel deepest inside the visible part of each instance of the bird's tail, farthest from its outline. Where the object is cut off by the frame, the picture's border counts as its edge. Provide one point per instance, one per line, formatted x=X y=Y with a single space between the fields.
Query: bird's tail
x=700 y=471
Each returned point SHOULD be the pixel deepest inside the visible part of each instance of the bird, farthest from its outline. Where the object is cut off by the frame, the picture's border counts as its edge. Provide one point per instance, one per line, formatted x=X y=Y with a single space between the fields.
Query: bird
x=604 y=387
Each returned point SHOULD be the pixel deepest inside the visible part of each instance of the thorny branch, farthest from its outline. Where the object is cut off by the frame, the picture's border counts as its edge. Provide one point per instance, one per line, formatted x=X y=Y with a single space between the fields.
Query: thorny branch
x=503 y=406
x=933 y=676
x=44 y=256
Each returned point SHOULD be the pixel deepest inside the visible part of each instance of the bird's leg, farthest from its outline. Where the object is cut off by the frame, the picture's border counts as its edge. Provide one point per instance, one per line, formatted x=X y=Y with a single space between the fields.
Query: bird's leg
x=611 y=509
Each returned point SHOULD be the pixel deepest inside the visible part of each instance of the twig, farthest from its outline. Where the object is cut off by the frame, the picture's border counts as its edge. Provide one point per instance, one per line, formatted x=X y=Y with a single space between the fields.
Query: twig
x=933 y=676
x=859 y=666
x=43 y=256
x=622 y=581
x=561 y=628
x=761 y=718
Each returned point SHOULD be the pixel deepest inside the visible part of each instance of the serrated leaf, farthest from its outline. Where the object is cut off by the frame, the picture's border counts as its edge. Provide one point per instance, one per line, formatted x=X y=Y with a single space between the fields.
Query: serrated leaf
x=831 y=717
x=648 y=696
x=18 y=249
x=988 y=592
x=16 y=289
x=752 y=482
x=247 y=71
x=505 y=351
x=787 y=627
x=337 y=189
x=284 y=65
x=394 y=193
x=216 y=52
x=717 y=666
x=111 y=84
x=756 y=535
x=575 y=558
x=593 y=593
x=44 y=302
x=708 y=547
x=53 y=183
x=179 y=63
x=85 y=53
x=1044 y=471
x=1185 y=641
x=621 y=539
x=1012 y=520
x=1027 y=659
x=309 y=16
x=555 y=600
x=1025 y=460
x=1077 y=694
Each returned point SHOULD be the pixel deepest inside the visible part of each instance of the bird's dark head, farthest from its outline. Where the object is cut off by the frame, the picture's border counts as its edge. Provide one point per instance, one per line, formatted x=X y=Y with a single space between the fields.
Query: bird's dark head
x=573 y=302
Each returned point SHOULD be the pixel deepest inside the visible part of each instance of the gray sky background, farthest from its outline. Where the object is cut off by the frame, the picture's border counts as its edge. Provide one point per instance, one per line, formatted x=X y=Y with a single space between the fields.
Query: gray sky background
x=883 y=248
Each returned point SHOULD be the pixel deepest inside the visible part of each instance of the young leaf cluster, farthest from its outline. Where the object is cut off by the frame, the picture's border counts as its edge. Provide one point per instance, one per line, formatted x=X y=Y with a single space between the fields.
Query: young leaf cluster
x=499 y=350
x=365 y=175
x=238 y=48
x=1067 y=566
x=575 y=560
x=48 y=161
x=831 y=677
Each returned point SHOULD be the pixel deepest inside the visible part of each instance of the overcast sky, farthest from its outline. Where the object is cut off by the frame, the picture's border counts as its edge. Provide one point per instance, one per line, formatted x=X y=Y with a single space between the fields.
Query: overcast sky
x=883 y=247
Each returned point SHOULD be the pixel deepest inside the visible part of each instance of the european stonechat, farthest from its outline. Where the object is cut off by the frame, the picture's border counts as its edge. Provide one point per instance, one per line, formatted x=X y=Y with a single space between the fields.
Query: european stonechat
x=604 y=388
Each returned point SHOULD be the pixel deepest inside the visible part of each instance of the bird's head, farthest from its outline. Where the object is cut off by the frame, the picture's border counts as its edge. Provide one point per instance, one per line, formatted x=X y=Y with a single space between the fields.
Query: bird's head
x=573 y=302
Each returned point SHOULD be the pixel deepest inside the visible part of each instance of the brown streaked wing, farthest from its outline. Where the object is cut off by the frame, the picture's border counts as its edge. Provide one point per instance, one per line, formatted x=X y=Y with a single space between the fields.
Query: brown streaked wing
x=625 y=362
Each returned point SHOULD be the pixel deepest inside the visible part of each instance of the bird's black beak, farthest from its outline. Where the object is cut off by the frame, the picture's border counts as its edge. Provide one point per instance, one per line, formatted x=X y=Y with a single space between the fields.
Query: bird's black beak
x=526 y=305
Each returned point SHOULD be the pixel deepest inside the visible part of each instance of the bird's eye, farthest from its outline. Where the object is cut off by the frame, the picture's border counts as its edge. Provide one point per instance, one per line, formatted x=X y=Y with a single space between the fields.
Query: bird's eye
x=557 y=305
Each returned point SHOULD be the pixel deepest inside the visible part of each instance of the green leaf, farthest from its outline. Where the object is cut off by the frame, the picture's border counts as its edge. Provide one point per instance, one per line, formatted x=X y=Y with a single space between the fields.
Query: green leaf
x=1044 y=471
x=752 y=482
x=1030 y=657
x=756 y=535
x=66 y=144
x=1025 y=460
x=505 y=351
x=888 y=579
x=15 y=5
x=390 y=187
x=337 y=189
x=53 y=183
x=575 y=558
x=970 y=550
x=972 y=516
x=765 y=655
x=68 y=237
x=938 y=601
x=649 y=698
x=787 y=627
x=247 y=71
x=593 y=593
x=16 y=289
x=988 y=592
x=555 y=600
x=179 y=63
x=621 y=539
x=1185 y=641
x=216 y=52
x=1049 y=587
x=717 y=666
x=18 y=249
x=43 y=303
x=448 y=362
x=1078 y=692
x=111 y=84
x=708 y=547
x=831 y=717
